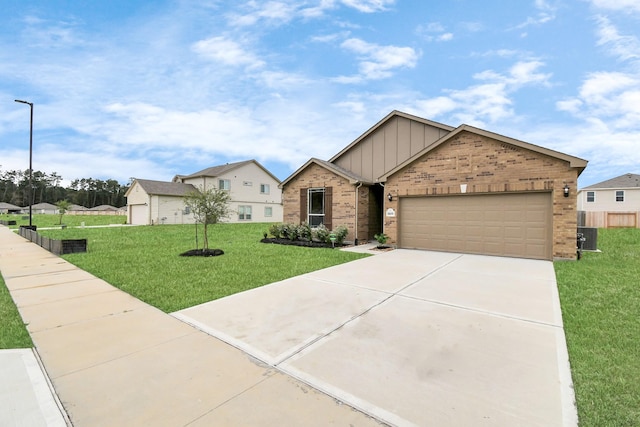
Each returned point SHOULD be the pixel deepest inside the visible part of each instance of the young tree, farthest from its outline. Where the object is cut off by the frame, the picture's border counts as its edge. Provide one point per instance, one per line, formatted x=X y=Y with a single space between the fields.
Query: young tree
x=208 y=207
x=63 y=207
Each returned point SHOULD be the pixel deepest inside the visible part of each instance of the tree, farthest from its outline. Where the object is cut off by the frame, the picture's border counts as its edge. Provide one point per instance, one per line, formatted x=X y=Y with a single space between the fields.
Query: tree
x=63 y=207
x=208 y=207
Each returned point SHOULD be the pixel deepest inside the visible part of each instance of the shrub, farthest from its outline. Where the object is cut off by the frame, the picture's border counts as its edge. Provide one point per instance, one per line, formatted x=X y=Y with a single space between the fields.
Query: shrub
x=381 y=238
x=276 y=230
x=341 y=233
x=290 y=231
x=304 y=231
x=321 y=234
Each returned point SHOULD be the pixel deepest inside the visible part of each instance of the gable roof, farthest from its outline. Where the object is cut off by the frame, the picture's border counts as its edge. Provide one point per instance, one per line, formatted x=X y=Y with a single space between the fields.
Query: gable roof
x=9 y=206
x=222 y=169
x=574 y=162
x=451 y=132
x=628 y=180
x=163 y=188
x=45 y=206
x=348 y=175
x=394 y=113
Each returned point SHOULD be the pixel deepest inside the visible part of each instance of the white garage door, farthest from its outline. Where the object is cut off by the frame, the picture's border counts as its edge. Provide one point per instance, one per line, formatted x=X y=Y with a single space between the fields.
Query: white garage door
x=518 y=225
x=139 y=215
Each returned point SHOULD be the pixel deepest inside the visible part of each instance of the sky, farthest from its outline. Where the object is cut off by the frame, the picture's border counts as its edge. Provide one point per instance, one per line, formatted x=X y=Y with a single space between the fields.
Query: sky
x=151 y=89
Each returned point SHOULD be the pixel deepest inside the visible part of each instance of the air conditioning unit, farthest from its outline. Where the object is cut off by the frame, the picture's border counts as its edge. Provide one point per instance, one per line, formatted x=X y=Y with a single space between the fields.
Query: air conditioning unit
x=591 y=238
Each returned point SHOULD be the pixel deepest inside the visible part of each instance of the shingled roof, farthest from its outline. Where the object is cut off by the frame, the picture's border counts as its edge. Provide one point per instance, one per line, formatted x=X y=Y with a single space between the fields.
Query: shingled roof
x=628 y=180
x=163 y=188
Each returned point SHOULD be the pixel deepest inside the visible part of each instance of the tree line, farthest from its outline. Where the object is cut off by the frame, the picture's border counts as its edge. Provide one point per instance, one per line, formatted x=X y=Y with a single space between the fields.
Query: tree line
x=47 y=188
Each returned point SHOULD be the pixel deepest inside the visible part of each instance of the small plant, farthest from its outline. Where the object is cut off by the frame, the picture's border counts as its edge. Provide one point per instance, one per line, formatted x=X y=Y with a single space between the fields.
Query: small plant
x=290 y=231
x=341 y=233
x=321 y=234
x=381 y=238
x=276 y=230
x=304 y=231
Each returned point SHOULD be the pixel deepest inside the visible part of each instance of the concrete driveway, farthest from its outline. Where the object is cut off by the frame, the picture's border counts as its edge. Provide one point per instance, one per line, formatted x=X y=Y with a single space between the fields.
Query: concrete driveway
x=413 y=337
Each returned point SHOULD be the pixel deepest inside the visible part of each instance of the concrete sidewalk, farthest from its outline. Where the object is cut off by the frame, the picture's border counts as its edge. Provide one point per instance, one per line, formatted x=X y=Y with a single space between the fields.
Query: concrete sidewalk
x=402 y=338
x=114 y=360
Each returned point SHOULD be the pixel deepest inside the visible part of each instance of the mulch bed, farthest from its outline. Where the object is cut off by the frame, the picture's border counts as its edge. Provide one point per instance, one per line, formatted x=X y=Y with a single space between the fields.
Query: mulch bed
x=203 y=252
x=305 y=243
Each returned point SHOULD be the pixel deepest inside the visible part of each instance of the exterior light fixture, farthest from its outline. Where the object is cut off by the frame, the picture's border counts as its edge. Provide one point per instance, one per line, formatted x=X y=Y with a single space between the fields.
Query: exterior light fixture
x=566 y=190
x=389 y=197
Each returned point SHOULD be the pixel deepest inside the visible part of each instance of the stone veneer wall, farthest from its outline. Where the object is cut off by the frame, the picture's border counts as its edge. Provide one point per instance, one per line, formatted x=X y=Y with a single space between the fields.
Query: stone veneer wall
x=490 y=166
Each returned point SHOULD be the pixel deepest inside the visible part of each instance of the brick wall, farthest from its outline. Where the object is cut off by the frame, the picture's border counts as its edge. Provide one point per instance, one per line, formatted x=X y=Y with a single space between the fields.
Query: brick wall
x=489 y=166
x=344 y=201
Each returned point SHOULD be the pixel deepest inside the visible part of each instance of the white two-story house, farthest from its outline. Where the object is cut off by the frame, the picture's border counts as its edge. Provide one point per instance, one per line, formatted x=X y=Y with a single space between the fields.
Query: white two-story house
x=255 y=196
x=612 y=203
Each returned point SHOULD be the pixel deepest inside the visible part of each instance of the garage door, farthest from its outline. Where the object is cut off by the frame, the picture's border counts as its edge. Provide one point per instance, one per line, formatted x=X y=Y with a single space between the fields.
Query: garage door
x=139 y=214
x=517 y=225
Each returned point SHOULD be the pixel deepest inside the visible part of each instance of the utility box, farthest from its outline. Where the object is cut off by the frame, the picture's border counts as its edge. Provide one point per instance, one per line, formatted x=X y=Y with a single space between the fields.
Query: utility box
x=591 y=238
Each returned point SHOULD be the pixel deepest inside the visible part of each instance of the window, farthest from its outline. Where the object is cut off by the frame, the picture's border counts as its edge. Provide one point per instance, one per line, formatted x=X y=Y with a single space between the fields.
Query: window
x=619 y=196
x=264 y=188
x=316 y=207
x=224 y=184
x=244 y=213
x=187 y=210
x=268 y=211
x=591 y=196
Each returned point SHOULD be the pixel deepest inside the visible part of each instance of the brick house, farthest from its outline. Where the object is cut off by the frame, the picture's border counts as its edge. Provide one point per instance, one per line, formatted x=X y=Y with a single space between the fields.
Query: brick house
x=431 y=186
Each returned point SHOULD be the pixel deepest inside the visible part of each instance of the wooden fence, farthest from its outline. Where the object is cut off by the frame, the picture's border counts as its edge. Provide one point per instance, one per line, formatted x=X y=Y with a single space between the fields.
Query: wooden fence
x=610 y=219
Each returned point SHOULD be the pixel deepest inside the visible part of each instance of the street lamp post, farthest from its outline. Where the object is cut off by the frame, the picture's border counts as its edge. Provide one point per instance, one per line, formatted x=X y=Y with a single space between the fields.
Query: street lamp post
x=30 y=104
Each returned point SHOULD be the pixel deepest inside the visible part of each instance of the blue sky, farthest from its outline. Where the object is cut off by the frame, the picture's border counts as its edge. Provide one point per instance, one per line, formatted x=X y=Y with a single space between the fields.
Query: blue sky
x=149 y=90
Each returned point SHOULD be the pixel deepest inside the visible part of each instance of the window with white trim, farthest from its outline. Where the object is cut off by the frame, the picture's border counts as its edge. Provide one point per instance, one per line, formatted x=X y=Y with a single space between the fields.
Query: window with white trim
x=316 y=207
x=268 y=211
x=591 y=196
x=224 y=184
x=264 y=188
x=244 y=213
x=619 y=195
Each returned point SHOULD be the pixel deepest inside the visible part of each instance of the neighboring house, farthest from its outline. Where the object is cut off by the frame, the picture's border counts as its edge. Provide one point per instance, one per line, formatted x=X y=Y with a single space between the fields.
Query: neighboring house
x=157 y=202
x=42 y=208
x=8 y=208
x=431 y=186
x=612 y=203
x=255 y=195
x=255 y=192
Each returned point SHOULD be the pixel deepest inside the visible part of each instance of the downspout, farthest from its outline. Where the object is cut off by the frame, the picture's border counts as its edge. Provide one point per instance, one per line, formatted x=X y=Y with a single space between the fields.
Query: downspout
x=355 y=240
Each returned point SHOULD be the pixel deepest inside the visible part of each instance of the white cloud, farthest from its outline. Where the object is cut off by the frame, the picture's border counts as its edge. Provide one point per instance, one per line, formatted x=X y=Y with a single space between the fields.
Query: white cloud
x=378 y=62
x=621 y=5
x=613 y=97
x=433 y=31
x=624 y=47
x=488 y=102
x=226 y=51
x=545 y=13
x=270 y=12
x=369 y=6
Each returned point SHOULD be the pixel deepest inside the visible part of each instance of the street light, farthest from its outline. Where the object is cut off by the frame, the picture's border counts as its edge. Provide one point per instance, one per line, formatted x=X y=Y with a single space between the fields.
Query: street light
x=30 y=104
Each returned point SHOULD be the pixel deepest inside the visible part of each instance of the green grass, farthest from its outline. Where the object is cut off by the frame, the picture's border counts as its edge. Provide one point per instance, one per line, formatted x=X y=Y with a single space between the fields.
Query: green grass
x=600 y=295
x=49 y=220
x=600 y=298
x=13 y=333
x=144 y=261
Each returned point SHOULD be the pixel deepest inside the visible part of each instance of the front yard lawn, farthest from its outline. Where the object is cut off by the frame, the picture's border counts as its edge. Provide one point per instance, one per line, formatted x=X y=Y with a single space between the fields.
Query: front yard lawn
x=600 y=297
x=144 y=261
